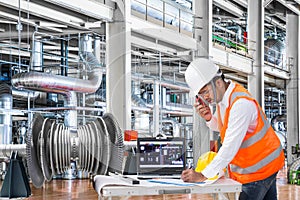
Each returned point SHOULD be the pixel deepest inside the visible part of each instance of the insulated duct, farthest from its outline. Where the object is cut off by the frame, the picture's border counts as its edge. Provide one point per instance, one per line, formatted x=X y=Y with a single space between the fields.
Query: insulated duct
x=24 y=95
x=6 y=150
x=60 y=84
x=57 y=84
x=66 y=86
x=5 y=119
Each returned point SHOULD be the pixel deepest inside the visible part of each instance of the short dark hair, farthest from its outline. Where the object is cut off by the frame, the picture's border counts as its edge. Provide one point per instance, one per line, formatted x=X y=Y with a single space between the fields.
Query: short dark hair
x=218 y=76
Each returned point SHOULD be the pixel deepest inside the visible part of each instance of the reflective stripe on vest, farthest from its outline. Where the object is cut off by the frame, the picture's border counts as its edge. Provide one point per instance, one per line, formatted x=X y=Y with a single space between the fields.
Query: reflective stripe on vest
x=259 y=135
x=252 y=140
x=258 y=165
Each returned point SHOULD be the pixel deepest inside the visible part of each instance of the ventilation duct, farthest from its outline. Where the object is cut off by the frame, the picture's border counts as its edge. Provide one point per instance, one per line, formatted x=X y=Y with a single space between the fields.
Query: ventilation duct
x=24 y=95
x=57 y=84
x=66 y=86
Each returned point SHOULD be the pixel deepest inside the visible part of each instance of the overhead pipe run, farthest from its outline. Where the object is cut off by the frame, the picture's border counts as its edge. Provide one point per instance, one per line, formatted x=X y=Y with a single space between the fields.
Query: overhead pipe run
x=66 y=86
x=57 y=84
x=6 y=150
x=22 y=94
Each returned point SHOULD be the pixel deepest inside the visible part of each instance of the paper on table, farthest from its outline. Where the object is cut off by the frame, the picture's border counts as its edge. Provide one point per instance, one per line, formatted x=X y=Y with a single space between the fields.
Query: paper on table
x=103 y=180
x=180 y=182
x=177 y=182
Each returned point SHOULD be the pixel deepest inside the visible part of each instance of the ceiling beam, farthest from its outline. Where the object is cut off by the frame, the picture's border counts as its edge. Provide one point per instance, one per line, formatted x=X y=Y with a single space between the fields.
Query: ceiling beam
x=44 y=12
x=290 y=7
x=275 y=22
x=229 y=7
x=26 y=21
x=51 y=24
x=89 y=8
x=242 y=3
x=267 y=2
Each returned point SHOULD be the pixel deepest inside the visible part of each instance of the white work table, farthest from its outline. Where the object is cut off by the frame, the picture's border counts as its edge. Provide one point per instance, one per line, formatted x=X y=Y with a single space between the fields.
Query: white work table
x=223 y=185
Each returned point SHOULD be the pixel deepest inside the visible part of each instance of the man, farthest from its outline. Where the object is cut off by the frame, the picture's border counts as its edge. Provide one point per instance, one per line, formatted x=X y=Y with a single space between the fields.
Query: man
x=250 y=148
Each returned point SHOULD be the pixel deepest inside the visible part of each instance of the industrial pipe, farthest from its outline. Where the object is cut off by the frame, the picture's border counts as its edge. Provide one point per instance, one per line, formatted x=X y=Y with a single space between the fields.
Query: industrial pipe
x=5 y=119
x=7 y=149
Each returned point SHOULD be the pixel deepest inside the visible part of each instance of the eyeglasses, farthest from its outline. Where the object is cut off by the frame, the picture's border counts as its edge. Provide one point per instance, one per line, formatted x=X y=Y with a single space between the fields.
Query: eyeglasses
x=205 y=92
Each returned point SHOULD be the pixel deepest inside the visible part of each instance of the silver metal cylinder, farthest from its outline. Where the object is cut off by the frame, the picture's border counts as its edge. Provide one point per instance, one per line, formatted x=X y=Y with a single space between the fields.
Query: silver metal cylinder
x=71 y=115
x=86 y=43
x=7 y=149
x=6 y=119
x=37 y=55
x=97 y=48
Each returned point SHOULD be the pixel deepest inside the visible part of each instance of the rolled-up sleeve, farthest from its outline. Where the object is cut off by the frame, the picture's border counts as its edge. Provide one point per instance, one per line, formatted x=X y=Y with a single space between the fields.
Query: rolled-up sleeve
x=213 y=123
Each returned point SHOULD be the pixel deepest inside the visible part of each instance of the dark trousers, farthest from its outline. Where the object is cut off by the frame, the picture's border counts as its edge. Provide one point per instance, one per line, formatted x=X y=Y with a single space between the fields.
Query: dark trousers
x=260 y=190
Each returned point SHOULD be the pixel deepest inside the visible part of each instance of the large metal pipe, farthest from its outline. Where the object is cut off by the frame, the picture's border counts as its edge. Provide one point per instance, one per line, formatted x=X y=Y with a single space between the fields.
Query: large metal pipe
x=162 y=83
x=7 y=149
x=71 y=115
x=66 y=86
x=59 y=84
x=24 y=95
x=5 y=119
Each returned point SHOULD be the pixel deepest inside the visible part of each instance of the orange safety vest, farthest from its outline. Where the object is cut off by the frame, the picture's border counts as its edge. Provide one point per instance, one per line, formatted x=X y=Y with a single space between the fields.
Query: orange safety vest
x=260 y=154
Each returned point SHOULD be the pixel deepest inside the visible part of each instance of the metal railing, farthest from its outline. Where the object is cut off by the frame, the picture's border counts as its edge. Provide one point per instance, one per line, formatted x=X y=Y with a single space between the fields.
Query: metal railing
x=170 y=15
x=235 y=43
x=231 y=44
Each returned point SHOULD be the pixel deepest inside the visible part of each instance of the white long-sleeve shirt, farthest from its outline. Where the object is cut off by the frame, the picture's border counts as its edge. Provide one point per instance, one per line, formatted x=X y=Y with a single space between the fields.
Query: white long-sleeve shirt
x=242 y=119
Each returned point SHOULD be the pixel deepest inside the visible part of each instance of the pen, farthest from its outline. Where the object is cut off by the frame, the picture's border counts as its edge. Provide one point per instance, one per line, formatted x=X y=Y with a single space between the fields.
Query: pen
x=190 y=165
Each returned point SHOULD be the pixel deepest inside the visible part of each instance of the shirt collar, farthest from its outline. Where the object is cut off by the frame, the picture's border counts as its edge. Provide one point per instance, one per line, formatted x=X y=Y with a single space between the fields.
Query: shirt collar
x=225 y=100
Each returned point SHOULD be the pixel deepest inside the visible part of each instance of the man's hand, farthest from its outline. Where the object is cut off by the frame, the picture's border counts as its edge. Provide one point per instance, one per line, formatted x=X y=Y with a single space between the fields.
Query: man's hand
x=189 y=175
x=203 y=110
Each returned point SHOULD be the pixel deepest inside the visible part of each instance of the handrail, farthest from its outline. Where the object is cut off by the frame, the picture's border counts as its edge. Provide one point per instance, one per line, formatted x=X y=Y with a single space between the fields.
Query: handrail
x=274 y=59
x=227 y=43
x=238 y=44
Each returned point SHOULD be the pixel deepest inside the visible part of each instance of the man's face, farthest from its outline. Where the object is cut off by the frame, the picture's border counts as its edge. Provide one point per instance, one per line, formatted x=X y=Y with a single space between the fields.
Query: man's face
x=211 y=96
x=207 y=93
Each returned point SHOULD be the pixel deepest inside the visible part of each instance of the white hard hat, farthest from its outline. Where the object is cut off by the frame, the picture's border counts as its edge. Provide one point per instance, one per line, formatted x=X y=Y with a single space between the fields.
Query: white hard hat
x=199 y=73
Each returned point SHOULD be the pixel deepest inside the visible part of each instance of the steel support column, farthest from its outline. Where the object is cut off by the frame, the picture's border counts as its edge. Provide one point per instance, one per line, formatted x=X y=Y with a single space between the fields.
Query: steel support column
x=292 y=92
x=202 y=33
x=256 y=49
x=156 y=108
x=118 y=64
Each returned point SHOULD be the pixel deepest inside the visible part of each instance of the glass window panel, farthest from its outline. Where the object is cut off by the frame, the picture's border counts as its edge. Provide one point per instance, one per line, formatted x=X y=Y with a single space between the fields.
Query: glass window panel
x=186 y=17
x=157 y=14
x=156 y=4
x=138 y=5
